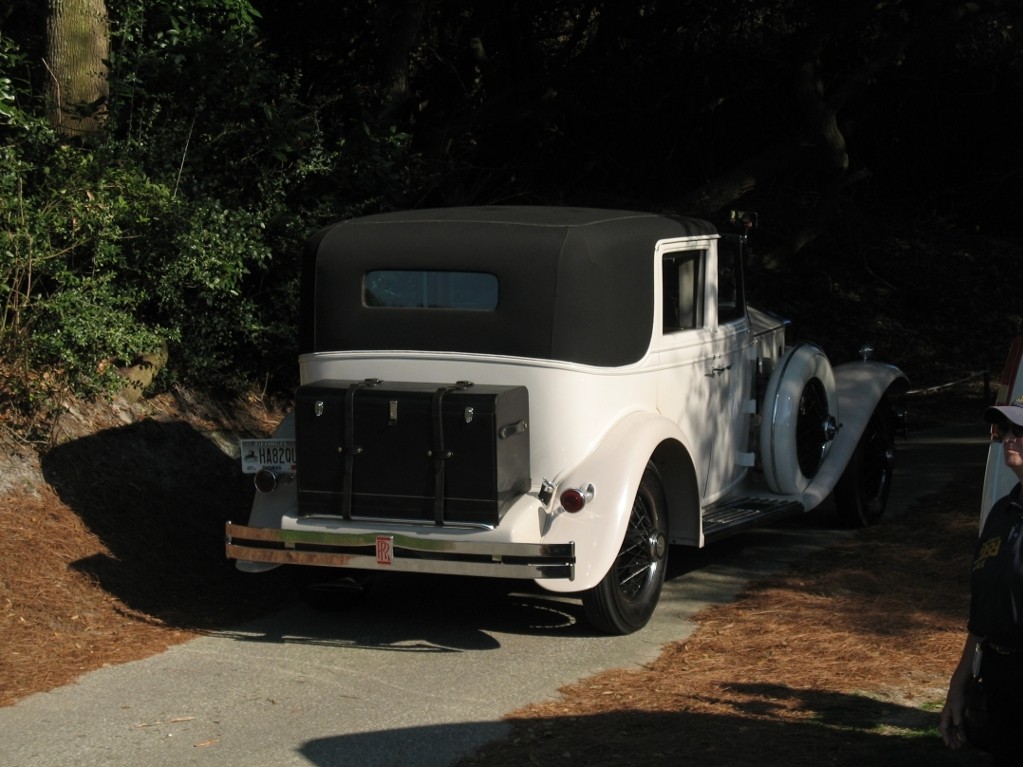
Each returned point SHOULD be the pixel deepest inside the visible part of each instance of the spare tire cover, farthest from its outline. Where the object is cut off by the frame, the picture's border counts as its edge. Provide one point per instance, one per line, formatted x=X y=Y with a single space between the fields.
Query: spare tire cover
x=800 y=418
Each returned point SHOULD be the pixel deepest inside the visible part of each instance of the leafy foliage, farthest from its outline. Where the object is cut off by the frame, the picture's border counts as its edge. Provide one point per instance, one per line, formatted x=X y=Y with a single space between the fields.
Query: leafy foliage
x=236 y=127
x=181 y=226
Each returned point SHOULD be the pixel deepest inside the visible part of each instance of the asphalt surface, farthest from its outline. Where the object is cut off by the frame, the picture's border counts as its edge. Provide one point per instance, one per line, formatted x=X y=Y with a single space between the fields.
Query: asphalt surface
x=415 y=671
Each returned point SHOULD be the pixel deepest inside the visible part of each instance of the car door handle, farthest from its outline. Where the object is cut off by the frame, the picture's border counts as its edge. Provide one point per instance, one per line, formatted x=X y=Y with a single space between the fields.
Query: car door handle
x=714 y=372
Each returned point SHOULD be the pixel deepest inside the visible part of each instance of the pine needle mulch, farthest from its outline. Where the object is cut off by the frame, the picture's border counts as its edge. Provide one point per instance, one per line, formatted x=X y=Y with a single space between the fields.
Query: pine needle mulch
x=118 y=554
x=841 y=659
x=56 y=622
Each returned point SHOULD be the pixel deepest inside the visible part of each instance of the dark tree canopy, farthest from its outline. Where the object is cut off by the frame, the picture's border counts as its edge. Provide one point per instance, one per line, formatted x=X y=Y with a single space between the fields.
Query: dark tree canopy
x=231 y=129
x=689 y=106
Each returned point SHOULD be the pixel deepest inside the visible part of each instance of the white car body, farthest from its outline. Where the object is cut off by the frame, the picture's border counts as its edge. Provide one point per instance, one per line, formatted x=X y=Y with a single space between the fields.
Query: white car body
x=712 y=408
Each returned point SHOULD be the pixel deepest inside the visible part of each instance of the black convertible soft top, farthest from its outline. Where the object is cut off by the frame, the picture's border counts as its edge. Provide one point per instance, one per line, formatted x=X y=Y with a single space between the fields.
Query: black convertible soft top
x=575 y=284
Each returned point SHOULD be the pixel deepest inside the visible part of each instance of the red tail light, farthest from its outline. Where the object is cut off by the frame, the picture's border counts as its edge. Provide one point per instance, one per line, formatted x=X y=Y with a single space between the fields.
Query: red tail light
x=574 y=500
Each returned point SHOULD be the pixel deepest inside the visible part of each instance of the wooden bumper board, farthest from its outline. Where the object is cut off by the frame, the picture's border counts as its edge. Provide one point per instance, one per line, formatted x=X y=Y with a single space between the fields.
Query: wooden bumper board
x=402 y=553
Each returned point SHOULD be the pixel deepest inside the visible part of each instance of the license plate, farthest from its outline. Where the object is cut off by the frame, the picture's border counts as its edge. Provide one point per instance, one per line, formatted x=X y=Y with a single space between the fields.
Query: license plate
x=276 y=455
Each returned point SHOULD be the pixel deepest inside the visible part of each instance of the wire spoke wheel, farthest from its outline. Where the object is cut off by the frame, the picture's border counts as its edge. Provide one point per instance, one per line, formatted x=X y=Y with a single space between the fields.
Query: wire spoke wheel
x=626 y=597
x=639 y=558
x=861 y=495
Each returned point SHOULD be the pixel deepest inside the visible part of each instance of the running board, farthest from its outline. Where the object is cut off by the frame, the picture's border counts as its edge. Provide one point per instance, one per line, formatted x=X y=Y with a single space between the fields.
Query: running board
x=730 y=517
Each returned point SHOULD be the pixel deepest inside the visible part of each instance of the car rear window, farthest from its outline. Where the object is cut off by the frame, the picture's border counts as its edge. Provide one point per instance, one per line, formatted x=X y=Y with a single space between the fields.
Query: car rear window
x=415 y=289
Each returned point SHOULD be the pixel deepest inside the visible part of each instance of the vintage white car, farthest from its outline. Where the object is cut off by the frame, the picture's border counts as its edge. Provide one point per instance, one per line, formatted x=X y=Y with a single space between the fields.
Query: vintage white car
x=548 y=393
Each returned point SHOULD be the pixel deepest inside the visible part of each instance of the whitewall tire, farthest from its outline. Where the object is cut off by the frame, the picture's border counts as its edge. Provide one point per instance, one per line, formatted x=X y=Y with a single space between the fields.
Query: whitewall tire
x=800 y=418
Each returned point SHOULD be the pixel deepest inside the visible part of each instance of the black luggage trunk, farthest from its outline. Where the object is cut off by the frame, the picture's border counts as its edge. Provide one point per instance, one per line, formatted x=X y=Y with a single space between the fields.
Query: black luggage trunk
x=444 y=454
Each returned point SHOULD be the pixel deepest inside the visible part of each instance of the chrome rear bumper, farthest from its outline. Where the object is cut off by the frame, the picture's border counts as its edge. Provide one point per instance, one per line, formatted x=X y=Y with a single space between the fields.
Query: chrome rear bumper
x=402 y=553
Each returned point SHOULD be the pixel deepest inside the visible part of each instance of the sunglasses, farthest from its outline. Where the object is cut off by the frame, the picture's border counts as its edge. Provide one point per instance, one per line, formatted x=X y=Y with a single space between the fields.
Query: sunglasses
x=1007 y=427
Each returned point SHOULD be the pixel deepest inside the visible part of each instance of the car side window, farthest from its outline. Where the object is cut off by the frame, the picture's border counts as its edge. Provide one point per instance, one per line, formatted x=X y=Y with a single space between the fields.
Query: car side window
x=683 y=290
x=731 y=302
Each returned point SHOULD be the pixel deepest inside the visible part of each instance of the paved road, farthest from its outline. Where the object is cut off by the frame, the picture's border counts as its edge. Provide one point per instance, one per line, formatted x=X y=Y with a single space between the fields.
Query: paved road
x=418 y=672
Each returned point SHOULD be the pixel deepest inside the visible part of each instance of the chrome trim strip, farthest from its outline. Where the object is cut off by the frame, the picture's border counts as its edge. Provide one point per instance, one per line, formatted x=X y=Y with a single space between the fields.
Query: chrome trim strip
x=410 y=554
x=460 y=525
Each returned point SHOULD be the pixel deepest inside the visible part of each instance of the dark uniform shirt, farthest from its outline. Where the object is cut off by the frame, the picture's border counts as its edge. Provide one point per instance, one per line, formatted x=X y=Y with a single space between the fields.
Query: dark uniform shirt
x=996 y=580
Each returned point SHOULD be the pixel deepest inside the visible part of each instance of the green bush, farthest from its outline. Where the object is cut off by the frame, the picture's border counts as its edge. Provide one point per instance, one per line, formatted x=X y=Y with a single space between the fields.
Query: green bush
x=181 y=226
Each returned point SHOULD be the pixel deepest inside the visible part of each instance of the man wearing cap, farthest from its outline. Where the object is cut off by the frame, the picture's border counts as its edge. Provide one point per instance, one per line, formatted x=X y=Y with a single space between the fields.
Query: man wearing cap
x=994 y=644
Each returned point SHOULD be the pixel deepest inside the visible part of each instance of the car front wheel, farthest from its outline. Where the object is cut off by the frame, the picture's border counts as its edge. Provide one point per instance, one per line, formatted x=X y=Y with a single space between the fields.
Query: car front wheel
x=861 y=495
x=625 y=598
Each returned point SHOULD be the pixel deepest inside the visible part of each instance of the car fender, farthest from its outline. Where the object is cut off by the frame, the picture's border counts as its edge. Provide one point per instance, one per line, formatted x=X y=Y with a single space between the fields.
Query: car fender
x=269 y=509
x=860 y=387
x=614 y=470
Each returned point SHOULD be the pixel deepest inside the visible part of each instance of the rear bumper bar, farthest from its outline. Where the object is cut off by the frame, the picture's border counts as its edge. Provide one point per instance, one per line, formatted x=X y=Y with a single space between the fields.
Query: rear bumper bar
x=402 y=553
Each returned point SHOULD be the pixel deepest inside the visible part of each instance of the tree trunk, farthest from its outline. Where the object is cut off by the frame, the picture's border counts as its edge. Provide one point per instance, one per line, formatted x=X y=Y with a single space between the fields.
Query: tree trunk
x=400 y=24
x=78 y=47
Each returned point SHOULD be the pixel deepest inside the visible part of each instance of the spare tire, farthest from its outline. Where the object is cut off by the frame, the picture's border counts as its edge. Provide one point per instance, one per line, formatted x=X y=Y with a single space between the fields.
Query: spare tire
x=800 y=418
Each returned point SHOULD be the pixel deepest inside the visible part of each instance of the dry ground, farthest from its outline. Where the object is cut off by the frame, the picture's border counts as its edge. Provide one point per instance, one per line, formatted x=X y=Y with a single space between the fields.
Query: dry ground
x=840 y=660
x=115 y=552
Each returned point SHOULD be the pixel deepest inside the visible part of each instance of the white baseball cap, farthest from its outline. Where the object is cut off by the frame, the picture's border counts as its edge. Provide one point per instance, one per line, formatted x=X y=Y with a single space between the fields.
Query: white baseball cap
x=1001 y=413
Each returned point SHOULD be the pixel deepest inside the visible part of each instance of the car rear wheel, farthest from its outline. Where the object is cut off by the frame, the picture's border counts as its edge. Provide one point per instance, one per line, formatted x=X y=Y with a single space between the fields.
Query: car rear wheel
x=625 y=598
x=861 y=495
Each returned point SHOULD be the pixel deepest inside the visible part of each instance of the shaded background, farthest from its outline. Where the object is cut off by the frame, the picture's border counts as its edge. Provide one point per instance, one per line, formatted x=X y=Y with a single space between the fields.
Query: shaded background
x=877 y=142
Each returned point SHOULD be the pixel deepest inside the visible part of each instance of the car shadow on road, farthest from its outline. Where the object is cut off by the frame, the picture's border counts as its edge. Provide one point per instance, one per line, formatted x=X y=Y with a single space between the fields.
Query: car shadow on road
x=417 y=613
x=830 y=728
x=157 y=495
x=444 y=613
